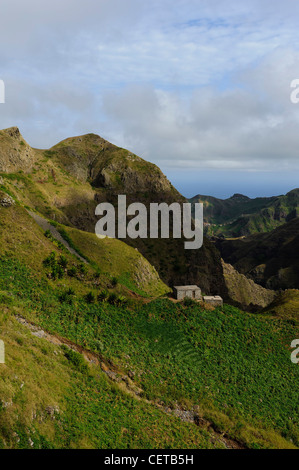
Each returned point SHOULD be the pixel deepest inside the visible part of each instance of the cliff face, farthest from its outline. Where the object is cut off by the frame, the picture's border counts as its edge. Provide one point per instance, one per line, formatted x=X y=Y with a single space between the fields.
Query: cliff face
x=245 y=293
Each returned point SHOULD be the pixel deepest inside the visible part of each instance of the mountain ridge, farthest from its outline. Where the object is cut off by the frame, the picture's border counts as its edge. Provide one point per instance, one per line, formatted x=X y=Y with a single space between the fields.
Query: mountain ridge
x=240 y=215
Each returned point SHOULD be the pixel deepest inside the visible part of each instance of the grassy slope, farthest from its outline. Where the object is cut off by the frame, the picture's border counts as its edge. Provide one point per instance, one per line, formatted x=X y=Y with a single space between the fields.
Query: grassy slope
x=200 y=359
x=90 y=412
x=85 y=401
x=111 y=258
x=233 y=367
x=118 y=259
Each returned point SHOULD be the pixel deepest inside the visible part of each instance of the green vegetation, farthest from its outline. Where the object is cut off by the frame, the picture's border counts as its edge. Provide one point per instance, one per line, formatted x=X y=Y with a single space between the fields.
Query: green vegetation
x=109 y=258
x=232 y=367
x=121 y=263
x=57 y=266
x=51 y=398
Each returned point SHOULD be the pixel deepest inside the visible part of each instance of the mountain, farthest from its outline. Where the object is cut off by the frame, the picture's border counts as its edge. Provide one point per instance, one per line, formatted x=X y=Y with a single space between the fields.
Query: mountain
x=96 y=355
x=241 y=216
x=68 y=181
x=65 y=184
x=270 y=259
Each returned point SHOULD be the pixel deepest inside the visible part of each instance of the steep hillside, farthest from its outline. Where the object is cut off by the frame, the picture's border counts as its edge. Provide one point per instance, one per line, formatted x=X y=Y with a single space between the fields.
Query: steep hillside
x=149 y=375
x=66 y=183
x=241 y=216
x=23 y=239
x=15 y=153
x=55 y=395
x=270 y=259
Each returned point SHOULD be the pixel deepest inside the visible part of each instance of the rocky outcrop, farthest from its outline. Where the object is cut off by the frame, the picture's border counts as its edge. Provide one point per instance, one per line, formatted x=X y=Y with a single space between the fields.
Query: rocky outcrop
x=244 y=292
x=15 y=154
x=6 y=200
x=106 y=166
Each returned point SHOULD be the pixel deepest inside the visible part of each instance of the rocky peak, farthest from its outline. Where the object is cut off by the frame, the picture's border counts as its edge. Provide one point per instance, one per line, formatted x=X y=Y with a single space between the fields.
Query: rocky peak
x=15 y=153
x=12 y=132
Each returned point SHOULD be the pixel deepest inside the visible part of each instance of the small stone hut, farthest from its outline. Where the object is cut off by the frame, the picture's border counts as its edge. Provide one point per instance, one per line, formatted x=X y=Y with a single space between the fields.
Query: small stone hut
x=213 y=300
x=191 y=292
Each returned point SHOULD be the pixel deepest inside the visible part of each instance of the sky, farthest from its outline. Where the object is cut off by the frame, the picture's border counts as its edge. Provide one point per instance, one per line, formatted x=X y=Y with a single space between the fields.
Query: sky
x=199 y=87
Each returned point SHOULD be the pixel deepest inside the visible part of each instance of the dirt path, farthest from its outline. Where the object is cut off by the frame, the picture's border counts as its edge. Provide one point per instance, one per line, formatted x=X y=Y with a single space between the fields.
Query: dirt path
x=126 y=384
x=45 y=225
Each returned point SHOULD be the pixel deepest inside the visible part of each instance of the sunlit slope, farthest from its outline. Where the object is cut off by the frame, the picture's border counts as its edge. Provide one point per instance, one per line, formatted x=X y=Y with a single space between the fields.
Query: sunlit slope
x=23 y=239
x=50 y=399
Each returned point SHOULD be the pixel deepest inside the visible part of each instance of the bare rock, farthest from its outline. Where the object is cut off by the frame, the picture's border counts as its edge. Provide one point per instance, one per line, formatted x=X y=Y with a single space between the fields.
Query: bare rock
x=6 y=200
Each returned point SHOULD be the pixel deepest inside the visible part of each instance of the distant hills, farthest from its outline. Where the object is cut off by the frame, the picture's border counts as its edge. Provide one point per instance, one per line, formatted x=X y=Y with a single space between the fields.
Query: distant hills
x=241 y=216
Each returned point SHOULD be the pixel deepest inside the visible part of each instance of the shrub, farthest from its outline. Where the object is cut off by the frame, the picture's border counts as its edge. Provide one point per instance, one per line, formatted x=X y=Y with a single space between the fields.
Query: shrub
x=103 y=296
x=67 y=296
x=56 y=268
x=62 y=261
x=50 y=260
x=72 y=272
x=57 y=272
x=188 y=302
x=112 y=299
x=75 y=359
x=82 y=268
x=89 y=298
x=97 y=274
x=121 y=301
x=114 y=281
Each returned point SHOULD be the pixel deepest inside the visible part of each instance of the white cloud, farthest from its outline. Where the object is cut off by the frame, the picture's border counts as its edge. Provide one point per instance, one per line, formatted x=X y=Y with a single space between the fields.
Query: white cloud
x=186 y=84
x=251 y=127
